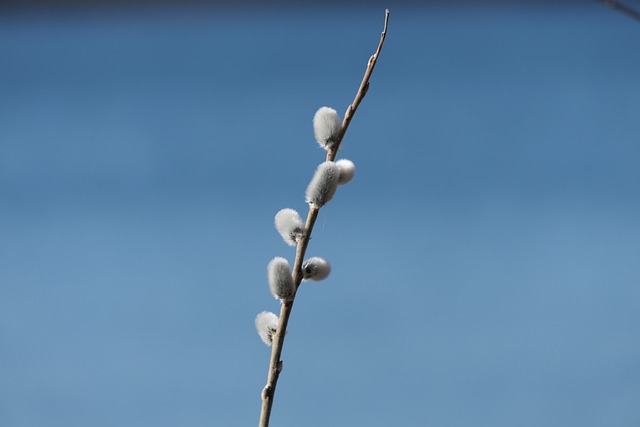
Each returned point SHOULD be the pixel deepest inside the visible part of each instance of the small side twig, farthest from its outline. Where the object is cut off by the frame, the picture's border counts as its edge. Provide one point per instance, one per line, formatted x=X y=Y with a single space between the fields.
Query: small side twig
x=275 y=364
x=623 y=8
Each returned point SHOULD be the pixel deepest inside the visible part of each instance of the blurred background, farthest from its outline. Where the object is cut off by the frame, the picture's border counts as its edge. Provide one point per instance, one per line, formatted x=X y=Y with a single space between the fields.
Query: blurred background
x=485 y=256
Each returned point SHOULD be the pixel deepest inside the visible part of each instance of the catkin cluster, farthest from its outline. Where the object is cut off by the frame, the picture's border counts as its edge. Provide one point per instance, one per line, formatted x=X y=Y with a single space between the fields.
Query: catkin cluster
x=321 y=189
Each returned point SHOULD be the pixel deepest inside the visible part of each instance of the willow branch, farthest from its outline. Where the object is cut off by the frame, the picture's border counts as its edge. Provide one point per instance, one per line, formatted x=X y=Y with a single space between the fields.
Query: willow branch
x=275 y=364
x=623 y=8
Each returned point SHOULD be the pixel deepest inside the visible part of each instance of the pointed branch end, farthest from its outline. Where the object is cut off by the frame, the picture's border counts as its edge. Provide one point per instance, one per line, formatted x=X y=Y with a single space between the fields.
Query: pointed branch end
x=386 y=21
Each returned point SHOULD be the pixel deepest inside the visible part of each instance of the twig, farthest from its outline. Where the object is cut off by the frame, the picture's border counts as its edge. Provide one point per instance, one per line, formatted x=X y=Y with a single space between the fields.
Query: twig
x=362 y=91
x=623 y=8
x=275 y=364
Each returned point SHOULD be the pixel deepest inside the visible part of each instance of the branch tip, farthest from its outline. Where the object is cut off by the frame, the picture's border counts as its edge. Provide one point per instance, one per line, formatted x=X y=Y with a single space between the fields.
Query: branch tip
x=386 y=21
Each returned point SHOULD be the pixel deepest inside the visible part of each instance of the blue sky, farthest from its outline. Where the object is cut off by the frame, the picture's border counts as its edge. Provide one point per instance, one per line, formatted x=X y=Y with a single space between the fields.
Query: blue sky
x=485 y=256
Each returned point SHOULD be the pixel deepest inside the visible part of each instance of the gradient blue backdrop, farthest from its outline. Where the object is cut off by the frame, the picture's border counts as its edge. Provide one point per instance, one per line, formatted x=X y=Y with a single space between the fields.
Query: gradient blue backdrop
x=485 y=257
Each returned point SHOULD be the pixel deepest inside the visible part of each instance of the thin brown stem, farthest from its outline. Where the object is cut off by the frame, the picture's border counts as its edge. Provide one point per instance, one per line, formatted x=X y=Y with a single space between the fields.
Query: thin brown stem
x=275 y=364
x=362 y=91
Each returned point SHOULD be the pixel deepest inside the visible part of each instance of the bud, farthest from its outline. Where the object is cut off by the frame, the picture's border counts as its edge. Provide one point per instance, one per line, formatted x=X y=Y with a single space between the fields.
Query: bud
x=347 y=170
x=326 y=127
x=323 y=184
x=280 y=280
x=267 y=326
x=315 y=269
x=289 y=225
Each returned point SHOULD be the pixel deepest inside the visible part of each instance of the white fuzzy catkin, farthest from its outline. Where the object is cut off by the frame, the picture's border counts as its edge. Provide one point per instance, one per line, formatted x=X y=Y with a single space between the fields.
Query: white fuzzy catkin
x=315 y=268
x=267 y=325
x=289 y=225
x=326 y=127
x=323 y=184
x=347 y=170
x=280 y=279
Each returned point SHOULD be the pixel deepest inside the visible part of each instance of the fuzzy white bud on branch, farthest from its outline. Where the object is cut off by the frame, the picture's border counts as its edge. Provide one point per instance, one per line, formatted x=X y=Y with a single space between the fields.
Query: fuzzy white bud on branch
x=290 y=226
x=326 y=127
x=315 y=269
x=347 y=170
x=280 y=279
x=267 y=326
x=323 y=184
